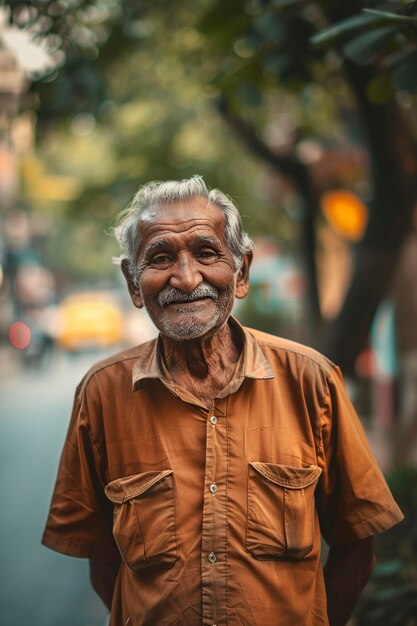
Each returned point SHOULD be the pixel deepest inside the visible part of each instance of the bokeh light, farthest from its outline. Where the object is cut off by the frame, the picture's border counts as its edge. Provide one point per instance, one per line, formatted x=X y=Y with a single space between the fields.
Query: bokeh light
x=20 y=335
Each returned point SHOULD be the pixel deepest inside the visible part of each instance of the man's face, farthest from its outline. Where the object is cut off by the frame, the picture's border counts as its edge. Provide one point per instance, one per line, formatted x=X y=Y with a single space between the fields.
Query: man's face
x=187 y=280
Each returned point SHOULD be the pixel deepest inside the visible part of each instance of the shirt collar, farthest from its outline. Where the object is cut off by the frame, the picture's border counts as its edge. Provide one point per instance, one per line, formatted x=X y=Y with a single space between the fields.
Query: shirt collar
x=252 y=362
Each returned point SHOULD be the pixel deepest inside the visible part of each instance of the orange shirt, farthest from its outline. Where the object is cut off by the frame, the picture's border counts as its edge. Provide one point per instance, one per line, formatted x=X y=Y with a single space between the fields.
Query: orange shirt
x=217 y=513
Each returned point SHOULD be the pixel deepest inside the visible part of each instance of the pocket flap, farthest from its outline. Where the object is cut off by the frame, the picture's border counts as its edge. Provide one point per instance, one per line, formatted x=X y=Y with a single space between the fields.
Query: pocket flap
x=123 y=489
x=287 y=476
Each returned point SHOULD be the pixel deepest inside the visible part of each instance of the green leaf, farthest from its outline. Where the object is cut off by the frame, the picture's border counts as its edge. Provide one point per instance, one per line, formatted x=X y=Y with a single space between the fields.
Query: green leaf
x=365 y=46
x=330 y=34
x=367 y=18
x=405 y=73
x=390 y=17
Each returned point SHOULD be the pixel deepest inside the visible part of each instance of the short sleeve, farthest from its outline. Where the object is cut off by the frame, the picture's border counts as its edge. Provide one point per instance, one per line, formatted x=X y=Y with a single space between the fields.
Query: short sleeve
x=79 y=520
x=353 y=499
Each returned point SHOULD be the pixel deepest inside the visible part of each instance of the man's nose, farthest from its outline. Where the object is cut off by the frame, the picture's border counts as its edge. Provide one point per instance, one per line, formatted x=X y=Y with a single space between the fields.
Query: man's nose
x=186 y=275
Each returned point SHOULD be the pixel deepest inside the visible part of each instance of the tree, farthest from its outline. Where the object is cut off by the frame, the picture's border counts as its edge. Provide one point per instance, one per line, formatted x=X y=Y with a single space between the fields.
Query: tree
x=142 y=115
x=276 y=37
x=247 y=56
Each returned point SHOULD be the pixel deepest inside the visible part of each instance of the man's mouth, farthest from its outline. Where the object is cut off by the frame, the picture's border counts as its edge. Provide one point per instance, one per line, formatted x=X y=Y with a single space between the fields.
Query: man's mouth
x=190 y=301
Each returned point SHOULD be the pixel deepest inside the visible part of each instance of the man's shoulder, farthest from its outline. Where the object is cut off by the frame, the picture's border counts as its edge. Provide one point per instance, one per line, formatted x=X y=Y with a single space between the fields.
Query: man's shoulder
x=287 y=348
x=120 y=362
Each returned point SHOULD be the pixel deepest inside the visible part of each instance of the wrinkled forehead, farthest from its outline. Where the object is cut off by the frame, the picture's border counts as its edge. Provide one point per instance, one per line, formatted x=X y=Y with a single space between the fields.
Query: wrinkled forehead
x=181 y=216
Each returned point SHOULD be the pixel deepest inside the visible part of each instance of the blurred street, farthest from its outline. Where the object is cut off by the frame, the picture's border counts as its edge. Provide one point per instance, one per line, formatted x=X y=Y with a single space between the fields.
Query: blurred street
x=305 y=114
x=38 y=587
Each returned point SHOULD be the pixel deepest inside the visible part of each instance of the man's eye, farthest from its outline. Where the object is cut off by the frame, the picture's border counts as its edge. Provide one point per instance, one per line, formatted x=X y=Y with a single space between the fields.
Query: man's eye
x=160 y=259
x=206 y=253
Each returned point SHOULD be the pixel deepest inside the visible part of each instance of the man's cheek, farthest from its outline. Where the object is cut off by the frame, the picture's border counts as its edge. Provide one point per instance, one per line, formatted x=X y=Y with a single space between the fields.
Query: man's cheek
x=151 y=284
x=221 y=273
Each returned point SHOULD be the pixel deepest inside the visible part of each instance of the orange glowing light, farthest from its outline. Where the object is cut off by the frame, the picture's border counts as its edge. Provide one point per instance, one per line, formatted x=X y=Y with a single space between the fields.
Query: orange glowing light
x=345 y=212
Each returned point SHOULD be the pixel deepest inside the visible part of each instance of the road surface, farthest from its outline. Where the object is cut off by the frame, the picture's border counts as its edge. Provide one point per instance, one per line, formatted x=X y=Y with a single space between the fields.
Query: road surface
x=38 y=586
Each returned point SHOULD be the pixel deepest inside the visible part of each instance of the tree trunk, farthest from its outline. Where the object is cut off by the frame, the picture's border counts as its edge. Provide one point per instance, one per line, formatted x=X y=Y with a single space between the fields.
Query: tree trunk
x=298 y=174
x=393 y=176
x=393 y=157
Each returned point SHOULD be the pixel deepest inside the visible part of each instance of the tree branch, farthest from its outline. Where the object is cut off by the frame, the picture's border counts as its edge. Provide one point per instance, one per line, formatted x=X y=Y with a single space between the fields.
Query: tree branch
x=285 y=164
x=299 y=175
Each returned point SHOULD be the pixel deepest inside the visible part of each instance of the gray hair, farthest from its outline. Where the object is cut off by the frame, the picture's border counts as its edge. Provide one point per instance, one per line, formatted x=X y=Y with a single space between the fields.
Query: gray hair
x=155 y=193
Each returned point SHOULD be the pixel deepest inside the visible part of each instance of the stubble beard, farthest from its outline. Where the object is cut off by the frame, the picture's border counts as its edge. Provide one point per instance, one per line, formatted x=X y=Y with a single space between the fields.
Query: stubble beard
x=190 y=326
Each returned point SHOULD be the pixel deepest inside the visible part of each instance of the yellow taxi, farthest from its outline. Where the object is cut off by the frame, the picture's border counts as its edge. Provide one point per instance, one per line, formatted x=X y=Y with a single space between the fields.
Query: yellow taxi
x=89 y=320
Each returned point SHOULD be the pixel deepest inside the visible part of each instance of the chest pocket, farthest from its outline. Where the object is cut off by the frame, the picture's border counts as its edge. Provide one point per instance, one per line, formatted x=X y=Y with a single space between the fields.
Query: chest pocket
x=280 y=521
x=144 y=518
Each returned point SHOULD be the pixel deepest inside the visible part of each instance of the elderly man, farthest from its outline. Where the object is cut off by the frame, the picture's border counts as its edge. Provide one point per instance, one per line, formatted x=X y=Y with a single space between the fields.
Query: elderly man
x=201 y=468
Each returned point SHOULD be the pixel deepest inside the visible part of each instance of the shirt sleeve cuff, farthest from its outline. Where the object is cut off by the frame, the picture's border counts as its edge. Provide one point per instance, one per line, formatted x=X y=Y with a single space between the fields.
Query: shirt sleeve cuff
x=69 y=547
x=369 y=527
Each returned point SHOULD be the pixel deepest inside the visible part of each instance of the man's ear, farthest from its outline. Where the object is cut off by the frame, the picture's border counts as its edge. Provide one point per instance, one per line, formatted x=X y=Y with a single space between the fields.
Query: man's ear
x=242 y=282
x=133 y=288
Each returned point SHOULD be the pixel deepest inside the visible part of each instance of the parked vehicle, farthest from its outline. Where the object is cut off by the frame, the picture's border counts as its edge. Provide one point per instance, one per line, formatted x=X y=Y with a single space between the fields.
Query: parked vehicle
x=89 y=320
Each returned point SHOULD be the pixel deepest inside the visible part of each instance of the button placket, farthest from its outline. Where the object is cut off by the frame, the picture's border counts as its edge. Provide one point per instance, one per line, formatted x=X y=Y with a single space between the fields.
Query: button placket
x=213 y=559
x=213 y=486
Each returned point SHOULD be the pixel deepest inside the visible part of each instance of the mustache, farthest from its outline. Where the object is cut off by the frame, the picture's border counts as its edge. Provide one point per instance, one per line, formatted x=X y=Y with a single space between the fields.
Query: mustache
x=167 y=295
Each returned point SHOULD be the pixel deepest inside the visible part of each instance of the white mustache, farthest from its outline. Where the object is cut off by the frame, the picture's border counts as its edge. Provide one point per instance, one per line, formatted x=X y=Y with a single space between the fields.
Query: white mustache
x=167 y=295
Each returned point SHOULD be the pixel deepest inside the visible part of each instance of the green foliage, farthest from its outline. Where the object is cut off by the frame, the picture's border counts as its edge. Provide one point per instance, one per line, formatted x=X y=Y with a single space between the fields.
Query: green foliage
x=150 y=72
x=261 y=45
x=367 y=19
x=82 y=35
x=82 y=252
x=348 y=26
x=132 y=102
x=382 y=39
x=391 y=18
x=363 y=48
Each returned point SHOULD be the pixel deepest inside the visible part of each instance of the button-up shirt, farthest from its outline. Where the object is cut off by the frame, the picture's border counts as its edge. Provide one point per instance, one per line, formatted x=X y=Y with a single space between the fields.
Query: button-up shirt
x=217 y=513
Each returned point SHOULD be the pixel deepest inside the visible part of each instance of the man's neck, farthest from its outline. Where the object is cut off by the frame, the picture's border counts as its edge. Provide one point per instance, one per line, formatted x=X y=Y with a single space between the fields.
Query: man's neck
x=203 y=366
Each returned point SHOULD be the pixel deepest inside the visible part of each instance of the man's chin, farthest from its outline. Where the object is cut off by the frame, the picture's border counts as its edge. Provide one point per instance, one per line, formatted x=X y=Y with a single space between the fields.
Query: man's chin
x=177 y=333
x=189 y=330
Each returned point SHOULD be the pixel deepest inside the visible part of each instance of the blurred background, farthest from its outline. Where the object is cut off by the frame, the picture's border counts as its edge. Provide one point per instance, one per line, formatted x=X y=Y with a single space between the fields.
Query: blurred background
x=305 y=113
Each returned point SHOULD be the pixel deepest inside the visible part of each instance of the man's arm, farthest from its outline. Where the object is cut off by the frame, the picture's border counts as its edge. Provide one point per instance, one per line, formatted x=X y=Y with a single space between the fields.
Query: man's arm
x=103 y=576
x=346 y=572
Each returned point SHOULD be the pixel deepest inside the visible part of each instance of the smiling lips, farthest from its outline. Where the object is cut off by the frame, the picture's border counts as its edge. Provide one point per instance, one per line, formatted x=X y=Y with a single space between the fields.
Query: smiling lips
x=186 y=301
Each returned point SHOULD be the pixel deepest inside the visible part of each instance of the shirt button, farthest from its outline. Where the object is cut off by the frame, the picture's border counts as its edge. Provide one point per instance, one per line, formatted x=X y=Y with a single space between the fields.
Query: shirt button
x=212 y=557
x=213 y=420
x=213 y=488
